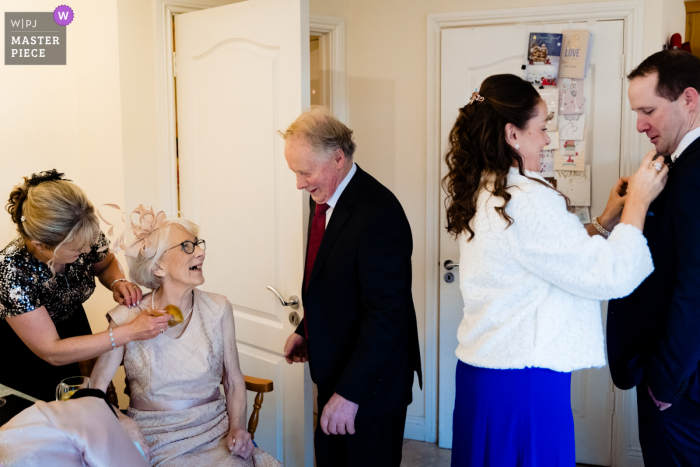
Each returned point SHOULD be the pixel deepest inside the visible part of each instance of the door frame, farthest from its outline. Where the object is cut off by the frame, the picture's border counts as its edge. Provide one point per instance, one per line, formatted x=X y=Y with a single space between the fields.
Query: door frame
x=331 y=33
x=331 y=30
x=631 y=12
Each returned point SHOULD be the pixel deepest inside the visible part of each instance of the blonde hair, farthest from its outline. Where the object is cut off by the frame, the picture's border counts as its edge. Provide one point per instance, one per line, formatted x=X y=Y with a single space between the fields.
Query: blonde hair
x=322 y=130
x=141 y=268
x=53 y=212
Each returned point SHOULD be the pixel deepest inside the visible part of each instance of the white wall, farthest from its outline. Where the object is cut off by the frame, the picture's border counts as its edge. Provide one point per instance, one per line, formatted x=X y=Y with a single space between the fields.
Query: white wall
x=67 y=117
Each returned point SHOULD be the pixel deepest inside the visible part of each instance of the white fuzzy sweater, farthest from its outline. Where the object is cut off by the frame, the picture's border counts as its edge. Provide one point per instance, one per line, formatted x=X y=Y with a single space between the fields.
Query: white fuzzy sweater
x=532 y=291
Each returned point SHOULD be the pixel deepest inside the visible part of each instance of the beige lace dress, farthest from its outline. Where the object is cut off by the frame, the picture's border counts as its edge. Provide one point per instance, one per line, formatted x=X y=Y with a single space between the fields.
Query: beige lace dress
x=189 y=367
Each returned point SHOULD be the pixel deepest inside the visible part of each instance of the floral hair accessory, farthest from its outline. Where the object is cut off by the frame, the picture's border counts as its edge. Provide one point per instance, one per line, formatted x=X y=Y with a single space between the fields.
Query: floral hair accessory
x=136 y=238
x=476 y=97
x=46 y=176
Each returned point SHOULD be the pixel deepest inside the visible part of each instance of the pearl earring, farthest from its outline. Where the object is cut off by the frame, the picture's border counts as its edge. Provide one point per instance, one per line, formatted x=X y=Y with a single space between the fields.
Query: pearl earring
x=517 y=146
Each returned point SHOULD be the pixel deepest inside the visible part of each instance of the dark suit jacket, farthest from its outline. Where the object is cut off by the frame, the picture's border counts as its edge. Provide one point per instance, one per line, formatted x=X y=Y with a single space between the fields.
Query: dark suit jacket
x=654 y=334
x=363 y=337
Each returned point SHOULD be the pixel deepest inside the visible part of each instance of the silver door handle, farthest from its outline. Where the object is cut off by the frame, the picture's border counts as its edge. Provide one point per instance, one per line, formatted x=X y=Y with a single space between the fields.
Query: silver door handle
x=293 y=300
x=449 y=265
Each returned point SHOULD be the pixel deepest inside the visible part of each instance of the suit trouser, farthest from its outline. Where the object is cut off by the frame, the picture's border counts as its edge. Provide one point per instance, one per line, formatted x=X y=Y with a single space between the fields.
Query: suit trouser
x=670 y=438
x=377 y=441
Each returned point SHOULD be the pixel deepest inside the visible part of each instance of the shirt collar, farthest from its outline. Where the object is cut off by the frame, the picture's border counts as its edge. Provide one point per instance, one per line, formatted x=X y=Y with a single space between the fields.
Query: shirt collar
x=689 y=137
x=339 y=191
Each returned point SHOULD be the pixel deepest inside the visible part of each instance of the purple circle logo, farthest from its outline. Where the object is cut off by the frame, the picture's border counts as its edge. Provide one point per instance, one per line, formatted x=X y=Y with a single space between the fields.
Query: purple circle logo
x=63 y=15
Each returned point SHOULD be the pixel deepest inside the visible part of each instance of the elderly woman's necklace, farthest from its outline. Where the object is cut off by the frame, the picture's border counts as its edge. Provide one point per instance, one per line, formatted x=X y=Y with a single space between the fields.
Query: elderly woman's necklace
x=153 y=307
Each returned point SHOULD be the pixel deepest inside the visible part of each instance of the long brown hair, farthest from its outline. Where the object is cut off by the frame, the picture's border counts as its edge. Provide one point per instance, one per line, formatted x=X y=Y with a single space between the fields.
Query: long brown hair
x=478 y=147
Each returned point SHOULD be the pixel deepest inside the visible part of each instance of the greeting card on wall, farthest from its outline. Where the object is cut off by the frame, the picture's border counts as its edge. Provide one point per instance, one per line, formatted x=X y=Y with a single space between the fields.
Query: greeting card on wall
x=576 y=53
x=570 y=156
x=547 y=163
x=583 y=213
x=570 y=96
x=571 y=126
x=550 y=96
x=543 y=58
x=554 y=140
x=575 y=185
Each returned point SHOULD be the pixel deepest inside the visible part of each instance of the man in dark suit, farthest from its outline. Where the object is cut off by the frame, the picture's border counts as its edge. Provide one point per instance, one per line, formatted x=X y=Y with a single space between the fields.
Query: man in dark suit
x=359 y=331
x=654 y=334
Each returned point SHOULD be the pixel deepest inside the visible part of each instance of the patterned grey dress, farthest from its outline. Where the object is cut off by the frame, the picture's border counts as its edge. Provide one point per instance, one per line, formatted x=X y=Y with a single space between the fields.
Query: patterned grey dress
x=165 y=369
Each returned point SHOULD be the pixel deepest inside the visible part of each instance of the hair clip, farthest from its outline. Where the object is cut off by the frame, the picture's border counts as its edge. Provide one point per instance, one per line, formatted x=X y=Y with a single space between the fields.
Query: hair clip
x=23 y=218
x=476 y=97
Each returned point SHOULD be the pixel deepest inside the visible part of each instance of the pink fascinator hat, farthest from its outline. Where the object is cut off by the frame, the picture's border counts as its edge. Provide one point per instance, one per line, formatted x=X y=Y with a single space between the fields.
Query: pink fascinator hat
x=136 y=239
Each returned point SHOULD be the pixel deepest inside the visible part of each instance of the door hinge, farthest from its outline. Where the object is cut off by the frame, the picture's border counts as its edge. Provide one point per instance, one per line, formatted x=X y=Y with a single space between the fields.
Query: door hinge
x=174 y=64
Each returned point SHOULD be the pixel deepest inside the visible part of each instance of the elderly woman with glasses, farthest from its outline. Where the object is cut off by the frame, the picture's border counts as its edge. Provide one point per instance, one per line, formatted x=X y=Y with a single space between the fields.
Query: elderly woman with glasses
x=174 y=379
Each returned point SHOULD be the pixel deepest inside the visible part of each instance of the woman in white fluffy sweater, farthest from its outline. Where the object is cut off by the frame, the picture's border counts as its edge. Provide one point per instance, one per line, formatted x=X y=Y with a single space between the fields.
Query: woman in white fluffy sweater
x=532 y=278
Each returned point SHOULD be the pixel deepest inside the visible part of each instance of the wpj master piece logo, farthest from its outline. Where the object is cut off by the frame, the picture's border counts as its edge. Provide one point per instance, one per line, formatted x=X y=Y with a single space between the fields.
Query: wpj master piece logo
x=37 y=38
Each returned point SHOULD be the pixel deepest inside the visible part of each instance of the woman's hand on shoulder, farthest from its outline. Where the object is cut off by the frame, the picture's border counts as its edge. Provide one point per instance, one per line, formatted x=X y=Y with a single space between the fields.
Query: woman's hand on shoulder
x=147 y=326
x=240 y=443
x=126 y=293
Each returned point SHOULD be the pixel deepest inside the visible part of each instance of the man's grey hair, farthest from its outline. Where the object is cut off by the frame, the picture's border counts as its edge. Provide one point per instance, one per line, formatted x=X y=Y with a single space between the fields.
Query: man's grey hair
x=323 y=131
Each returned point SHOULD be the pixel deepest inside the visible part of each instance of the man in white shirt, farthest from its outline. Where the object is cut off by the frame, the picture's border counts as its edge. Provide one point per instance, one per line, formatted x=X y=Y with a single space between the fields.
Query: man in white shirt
x=359 y=331
x=653 y=333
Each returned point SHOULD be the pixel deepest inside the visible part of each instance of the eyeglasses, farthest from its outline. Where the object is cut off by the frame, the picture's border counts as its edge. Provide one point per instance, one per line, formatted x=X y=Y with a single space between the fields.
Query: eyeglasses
x=188 y=246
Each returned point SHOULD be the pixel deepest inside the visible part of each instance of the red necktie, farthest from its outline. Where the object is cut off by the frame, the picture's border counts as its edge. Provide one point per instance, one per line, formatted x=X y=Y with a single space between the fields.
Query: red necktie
x=318 y=227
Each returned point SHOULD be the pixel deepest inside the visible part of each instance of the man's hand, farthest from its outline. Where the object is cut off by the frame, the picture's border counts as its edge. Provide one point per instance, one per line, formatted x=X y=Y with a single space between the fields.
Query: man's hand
x=240 y=443
x=338 y=417
x=661 y=405
x=295 y=349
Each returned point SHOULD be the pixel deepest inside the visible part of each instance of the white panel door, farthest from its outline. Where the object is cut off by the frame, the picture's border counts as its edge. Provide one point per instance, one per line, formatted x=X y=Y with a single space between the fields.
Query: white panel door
x=469 y=55
x=242 y=75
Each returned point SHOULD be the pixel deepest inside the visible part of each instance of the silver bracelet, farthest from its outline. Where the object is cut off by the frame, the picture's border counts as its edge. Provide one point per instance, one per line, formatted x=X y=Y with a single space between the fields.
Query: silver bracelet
x=115 y=281
x=111 y=337
x=600 y=228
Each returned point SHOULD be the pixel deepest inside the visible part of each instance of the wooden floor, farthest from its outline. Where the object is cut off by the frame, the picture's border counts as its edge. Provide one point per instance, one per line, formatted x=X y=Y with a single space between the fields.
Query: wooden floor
x=420 y=454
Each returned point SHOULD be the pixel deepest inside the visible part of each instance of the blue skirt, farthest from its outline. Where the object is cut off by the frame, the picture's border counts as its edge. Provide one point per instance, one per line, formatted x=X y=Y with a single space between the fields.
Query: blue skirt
x=512 y=418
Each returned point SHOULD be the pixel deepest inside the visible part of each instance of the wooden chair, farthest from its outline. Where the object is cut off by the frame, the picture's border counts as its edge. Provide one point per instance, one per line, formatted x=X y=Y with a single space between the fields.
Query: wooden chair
x=261 y=386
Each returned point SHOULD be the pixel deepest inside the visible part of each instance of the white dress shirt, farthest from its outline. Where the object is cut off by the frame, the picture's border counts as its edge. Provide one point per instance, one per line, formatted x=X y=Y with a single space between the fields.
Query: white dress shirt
x=339 y=191
x=689 y=137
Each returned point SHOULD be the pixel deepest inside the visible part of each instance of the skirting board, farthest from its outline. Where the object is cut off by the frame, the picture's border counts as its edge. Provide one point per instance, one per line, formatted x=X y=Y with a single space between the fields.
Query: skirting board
x=415 y=428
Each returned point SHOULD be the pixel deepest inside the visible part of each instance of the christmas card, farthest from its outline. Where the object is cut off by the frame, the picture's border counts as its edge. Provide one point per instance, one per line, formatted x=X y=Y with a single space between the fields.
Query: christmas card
x=543 y=58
